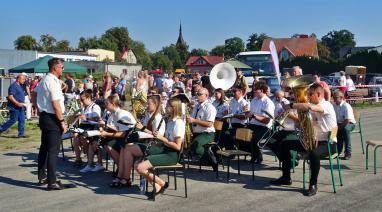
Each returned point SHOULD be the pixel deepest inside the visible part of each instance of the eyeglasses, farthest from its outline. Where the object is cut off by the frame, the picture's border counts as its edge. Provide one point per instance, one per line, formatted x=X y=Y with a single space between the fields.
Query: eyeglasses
x=199 y=94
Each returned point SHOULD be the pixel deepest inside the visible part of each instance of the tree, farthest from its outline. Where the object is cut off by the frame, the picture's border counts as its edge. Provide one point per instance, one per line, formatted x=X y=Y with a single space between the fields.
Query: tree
x=172 y=53
x=323 y=50
x=198 y=52
x=335 y=40
x=47 y=43
x=255 y=41
x=217 y=50
x=25 y=42
x=119 y=36
x=62 y=45
x=161 y=61
x=233 y=46
x=183 y=55
x=142 y=54
x=88 y=43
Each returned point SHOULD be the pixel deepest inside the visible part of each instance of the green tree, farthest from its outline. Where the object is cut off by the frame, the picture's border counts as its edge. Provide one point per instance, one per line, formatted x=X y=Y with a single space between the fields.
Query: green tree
x=198 y=52
x=335 y=40
x=217 y=50
x=161 y=61
x=183 y=55
x=172 y=53
x=47 y=43
x=119 y=36
x=62 y=45
x=255 y=41
x=88 y=43
x=233 y=46
x=323 y=50
x=25 y=42
x=142 y=54
x=105 y=43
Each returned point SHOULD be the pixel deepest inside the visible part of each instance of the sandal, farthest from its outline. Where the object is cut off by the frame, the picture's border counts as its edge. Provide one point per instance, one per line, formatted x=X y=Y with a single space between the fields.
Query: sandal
x=125 y=183
x=115 y=183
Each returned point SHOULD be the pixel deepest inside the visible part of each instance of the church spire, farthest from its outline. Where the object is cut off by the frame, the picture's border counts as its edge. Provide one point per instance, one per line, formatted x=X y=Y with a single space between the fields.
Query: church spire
x=180 y=42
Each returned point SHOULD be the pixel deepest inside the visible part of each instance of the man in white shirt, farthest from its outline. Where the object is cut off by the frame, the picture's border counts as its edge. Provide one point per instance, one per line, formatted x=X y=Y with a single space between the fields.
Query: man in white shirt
x=202 y=119
x=260 y=113
x=349 y=83
x=236 y=108
x=345 y=122
x=49 y=101
x=323 y=121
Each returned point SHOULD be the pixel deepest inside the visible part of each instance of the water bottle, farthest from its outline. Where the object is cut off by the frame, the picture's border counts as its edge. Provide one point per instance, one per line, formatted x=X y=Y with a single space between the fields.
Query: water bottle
x=142 y=185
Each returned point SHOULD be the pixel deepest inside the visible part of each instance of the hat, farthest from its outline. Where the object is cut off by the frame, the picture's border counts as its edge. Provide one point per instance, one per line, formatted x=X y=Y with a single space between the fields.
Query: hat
x=90 y=76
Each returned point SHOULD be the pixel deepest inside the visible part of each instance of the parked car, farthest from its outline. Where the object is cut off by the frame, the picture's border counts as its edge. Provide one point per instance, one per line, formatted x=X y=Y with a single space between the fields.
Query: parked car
x=374 y=90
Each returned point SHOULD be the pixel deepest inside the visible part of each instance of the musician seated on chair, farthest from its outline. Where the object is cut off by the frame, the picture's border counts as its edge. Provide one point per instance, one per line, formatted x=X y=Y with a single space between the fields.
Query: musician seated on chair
x=222 y=106
x=90 y=111
x=284 y=123
x=323 y=121
x=113 y=131
x=202 y=120
x=236 y=108
x=260 y=122
x=134 y=149
x=168 y=152
x=345 y=122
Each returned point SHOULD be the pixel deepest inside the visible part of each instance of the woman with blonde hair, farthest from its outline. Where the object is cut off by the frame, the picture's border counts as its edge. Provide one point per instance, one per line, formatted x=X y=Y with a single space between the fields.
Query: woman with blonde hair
x=168 y=149
x=153 y=122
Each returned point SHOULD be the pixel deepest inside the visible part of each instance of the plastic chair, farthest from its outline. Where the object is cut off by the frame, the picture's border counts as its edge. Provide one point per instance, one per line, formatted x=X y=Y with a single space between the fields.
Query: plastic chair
x=357 y=116
x=376 y=145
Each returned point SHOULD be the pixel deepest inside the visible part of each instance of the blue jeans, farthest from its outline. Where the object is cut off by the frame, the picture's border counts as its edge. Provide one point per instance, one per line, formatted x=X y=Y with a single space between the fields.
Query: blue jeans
x=15 y=115
x=343 y=136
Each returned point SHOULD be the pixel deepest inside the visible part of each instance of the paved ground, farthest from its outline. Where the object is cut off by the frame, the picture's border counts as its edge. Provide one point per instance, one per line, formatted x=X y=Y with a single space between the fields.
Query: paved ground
x=362 y=190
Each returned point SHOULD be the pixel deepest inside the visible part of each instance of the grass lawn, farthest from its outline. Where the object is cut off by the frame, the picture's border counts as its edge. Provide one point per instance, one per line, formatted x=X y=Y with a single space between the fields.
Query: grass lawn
x=10 y=141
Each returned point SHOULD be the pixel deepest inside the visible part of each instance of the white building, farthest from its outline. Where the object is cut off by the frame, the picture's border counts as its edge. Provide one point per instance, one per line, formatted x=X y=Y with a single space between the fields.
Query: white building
x=75 y=56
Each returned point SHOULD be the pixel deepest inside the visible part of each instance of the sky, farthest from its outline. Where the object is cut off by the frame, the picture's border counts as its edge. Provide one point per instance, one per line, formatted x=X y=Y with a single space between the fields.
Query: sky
x=205 y=23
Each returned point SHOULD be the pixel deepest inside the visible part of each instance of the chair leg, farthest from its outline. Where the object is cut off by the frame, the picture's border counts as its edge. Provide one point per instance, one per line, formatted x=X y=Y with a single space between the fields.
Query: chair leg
x=367 y=156
x=253 y=170
x=107 y=161
x=339 y=167
x=185 y=181
x=303 y=175
x=375 y=159
x=360 y=132
x=62 y=150
x=168 y=176
x=175 y=183
x=331 y=170
x=229 y=164
x=294 y=156
x=238 y=165
x=71 y=144
x=154 y=188
x=132 y=174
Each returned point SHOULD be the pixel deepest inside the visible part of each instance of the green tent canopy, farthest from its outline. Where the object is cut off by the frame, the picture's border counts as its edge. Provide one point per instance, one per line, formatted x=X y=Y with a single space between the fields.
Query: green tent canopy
x=41 y=66
x=237 y=64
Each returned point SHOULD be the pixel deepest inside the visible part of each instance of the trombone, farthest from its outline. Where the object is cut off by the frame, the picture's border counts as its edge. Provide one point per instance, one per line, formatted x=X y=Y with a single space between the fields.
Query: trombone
x=276 y=124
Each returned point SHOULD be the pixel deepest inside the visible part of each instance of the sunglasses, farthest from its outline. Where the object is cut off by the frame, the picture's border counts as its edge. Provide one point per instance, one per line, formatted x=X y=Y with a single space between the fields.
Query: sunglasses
x=199 y=94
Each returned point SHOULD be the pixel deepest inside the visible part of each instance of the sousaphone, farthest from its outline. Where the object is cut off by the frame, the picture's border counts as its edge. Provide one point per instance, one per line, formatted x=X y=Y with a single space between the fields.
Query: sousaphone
x=223 y=75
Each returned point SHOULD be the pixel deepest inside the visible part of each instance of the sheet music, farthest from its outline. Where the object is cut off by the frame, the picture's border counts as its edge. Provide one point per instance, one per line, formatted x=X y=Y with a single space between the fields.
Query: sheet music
x=143 y=135
x=92 y=133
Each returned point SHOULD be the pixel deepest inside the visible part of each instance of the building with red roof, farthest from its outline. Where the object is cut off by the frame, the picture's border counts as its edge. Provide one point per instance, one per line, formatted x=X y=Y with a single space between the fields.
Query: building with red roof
x=203 y=64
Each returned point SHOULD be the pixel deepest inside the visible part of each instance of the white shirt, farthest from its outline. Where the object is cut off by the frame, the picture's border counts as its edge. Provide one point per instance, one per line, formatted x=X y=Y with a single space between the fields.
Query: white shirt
x=324 y=122
x=175 y=128
x=344 y=111
x=288 y=123
x=220 y=108
x=168 y=84
x=92 y=111
x=49 y=90
x=155 y=123
x=236 y=107
x=258 y=106
x=350 y=84
x=342 y=81
x=205 y=112
x=123 y=115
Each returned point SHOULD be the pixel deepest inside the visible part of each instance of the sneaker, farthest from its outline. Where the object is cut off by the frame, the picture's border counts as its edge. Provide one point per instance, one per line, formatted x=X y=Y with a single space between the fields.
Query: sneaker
x=97 y=168
x=87 y=168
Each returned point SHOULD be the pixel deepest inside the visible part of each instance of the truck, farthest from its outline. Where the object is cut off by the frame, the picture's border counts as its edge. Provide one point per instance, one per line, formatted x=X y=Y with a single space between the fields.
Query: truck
x=262 y=67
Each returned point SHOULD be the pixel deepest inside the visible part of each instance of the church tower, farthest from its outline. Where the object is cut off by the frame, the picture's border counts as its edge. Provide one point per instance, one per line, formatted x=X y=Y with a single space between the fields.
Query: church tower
x=180 y=42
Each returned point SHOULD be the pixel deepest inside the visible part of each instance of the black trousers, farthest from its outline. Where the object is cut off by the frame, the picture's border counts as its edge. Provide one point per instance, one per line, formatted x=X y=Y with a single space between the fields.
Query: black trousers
x=50 y=146
x=227 y=137
x=314 y=157
x=275 y=143
x=258 y=133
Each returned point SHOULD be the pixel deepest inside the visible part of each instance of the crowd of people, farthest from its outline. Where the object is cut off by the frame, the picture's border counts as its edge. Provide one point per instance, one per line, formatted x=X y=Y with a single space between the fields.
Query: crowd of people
x=178 y=116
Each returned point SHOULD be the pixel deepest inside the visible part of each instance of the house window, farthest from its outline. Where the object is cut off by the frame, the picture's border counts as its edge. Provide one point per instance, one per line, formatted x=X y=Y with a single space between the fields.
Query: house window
x=200 y=62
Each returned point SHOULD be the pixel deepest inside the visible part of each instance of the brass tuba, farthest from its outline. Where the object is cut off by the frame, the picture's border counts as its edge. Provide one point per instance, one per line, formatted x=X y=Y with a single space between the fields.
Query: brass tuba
x=300 y=86
x=223 y=75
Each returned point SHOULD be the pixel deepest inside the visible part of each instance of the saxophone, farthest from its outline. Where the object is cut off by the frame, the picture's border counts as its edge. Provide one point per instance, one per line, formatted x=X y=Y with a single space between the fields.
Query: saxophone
x=300 y=86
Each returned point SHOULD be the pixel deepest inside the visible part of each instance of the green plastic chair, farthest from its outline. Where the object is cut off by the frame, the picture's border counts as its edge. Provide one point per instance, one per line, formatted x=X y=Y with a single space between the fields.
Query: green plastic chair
x=376 y=145
x=357 y=116
x=331 y=157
